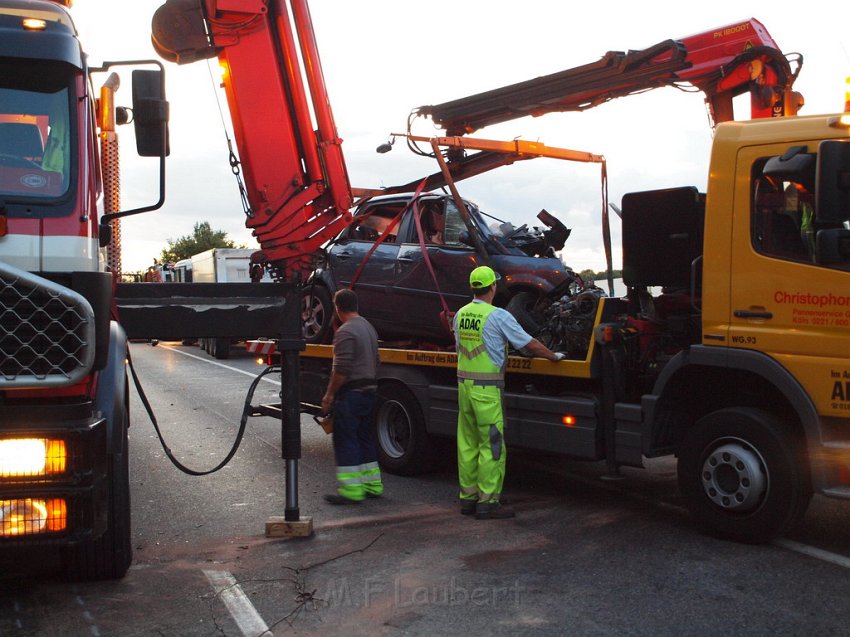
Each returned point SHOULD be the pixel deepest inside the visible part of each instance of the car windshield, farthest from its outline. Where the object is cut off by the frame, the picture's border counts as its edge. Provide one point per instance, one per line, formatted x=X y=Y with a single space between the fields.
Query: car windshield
x=35 y=130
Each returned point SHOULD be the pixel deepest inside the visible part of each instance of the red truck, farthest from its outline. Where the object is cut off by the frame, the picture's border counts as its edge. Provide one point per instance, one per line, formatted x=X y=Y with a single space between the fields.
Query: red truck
x=63 y=386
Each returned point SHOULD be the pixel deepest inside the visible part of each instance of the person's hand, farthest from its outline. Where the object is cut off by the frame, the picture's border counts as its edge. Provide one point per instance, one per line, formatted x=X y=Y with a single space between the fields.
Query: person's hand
x=559 y=356
x=327 y=401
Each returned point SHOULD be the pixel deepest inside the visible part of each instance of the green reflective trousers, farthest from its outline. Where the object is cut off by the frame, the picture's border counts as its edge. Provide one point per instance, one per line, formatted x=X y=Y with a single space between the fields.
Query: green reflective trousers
x=480 y=442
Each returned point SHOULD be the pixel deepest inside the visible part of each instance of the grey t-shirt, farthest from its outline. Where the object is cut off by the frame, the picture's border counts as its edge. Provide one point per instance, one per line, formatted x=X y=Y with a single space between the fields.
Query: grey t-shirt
x=356 y=349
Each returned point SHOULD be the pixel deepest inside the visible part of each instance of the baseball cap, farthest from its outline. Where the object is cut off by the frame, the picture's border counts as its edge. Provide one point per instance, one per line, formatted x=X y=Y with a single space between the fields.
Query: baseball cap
x=483 y=277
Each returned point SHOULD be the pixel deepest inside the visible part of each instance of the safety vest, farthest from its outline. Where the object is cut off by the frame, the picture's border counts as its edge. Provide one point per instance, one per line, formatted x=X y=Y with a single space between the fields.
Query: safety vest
x=473 y=362
x=807 y=227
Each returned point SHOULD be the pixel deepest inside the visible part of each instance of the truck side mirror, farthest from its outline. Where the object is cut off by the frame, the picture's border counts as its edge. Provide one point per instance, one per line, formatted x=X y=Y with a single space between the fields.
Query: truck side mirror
x=832 y=202
x=150 y=113
x=104 y=234
x=833 y=246
x=796 y=164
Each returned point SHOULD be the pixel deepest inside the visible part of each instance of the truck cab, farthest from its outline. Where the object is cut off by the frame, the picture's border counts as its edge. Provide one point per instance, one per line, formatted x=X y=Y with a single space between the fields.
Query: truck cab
x=63 y=388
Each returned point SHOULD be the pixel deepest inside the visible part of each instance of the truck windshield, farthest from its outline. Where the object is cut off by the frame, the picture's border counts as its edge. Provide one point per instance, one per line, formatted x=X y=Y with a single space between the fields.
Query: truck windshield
x=35 y=130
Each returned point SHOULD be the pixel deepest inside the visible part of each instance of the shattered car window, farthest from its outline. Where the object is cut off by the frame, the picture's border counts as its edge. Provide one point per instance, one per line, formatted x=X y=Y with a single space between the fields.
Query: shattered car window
x=372 y=225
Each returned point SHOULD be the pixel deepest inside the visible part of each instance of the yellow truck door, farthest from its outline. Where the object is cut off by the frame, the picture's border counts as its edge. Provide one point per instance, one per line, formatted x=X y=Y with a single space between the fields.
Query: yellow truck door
x=782 y=303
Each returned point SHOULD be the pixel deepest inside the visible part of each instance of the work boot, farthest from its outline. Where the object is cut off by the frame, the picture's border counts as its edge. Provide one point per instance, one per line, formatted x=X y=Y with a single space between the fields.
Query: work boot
x=336 y=499
x=493 y=511
x=467 y=507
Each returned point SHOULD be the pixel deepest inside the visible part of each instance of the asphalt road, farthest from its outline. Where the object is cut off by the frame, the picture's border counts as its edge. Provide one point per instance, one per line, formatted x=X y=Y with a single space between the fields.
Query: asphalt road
x=583 y=557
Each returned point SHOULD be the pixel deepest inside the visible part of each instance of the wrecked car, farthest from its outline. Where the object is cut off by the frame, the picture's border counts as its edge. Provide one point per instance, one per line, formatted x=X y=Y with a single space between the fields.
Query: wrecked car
x=403 y=296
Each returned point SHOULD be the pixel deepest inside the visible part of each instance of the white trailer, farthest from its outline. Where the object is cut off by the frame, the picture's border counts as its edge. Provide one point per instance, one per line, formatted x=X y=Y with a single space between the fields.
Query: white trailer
x=222 y=265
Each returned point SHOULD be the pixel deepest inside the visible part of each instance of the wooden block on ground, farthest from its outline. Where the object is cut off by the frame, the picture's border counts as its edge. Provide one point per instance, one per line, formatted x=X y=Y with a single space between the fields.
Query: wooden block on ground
x=278 y=526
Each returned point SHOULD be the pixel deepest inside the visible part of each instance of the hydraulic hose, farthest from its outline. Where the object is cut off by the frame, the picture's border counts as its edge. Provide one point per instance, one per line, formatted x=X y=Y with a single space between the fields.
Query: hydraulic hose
x=246 y=411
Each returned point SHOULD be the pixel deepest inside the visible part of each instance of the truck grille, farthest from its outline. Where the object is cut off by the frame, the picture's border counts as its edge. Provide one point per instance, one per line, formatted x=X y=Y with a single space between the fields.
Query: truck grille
x=46 y=332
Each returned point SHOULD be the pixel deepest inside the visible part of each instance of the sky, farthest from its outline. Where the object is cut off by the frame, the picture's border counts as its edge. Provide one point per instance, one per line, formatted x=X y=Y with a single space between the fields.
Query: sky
x=382 y=58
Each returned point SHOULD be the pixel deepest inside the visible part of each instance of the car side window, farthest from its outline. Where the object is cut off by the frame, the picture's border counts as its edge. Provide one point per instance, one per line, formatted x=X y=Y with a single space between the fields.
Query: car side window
x=432 y=222
x=371 y=224
x=453 y=225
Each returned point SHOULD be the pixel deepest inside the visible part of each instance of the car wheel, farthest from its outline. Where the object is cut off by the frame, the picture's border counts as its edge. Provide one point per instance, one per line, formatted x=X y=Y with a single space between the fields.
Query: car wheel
x=403 y=444
x=743 y=475
x=520 y=305
x=316 y=314
x=109 y=556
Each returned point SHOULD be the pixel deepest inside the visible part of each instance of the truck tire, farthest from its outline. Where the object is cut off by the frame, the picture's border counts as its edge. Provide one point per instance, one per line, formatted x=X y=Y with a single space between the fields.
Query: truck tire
x=316 y=314
x=220 y=348
x=403 y=445
x=744 y=475
x=109 y=556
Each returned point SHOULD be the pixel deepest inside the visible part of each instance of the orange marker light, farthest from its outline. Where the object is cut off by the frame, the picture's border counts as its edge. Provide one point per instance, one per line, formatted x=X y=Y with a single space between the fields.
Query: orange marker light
x=568 y=420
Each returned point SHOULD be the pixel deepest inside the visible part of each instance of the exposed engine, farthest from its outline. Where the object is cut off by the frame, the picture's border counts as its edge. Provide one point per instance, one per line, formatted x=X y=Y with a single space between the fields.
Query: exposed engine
x=567 y=324
x=563 y=325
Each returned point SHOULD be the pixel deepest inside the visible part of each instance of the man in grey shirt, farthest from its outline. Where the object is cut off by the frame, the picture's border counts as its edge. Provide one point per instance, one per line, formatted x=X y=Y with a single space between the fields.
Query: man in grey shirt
x=351 y=398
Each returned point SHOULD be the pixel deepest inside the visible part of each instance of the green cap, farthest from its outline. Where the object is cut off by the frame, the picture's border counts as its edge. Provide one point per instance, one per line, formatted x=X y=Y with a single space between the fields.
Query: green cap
x=483 y=277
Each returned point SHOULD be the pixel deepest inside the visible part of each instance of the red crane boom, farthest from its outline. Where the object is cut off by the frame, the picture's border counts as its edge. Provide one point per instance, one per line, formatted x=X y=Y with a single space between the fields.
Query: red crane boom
x=722 y=63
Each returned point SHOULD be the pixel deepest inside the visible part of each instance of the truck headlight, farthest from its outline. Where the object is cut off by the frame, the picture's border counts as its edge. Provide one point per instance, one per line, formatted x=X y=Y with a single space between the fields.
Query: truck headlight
x=31 y=516
x=32 y=457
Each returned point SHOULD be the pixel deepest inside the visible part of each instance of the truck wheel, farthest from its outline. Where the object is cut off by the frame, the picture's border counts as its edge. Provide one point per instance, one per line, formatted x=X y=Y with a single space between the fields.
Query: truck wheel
x=220 y=348
x=109 y=556
x=743 y=475
x=403 y=444
x=316 y=314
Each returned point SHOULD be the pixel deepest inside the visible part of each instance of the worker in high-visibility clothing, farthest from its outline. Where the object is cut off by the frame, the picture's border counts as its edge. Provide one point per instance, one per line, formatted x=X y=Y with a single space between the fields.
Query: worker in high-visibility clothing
x=482 y=334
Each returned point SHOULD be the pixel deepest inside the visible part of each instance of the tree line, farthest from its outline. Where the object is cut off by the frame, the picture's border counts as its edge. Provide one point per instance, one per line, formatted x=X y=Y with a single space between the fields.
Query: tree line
x=588 y=276
x=202 y=238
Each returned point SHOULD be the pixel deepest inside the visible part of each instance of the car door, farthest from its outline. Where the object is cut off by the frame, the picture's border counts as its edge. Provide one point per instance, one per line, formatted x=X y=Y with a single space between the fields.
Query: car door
x=375 y=280
x=452 y=262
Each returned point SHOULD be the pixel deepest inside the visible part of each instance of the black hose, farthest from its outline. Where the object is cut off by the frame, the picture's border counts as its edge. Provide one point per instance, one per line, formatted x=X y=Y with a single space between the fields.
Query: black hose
x=246 y=411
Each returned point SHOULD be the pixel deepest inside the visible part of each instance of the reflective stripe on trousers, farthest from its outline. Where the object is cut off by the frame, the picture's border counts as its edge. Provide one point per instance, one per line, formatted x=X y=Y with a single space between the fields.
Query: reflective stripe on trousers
x=356 y=481
x=357 y=461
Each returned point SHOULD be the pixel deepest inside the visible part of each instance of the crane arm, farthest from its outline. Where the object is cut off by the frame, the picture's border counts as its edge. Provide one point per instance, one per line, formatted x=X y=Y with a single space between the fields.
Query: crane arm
x=722 y=63
x=296 y=179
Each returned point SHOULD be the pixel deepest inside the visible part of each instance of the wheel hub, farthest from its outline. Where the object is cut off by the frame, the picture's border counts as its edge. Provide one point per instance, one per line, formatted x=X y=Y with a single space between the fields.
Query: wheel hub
x=734 y=478
x=393 y=429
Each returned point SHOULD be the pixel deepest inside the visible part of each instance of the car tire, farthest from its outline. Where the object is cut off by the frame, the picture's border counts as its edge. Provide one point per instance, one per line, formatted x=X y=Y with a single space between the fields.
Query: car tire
x=401 y=440
x=109 y=556
x=744 y=475
x=520 y=306
x=316 y=314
